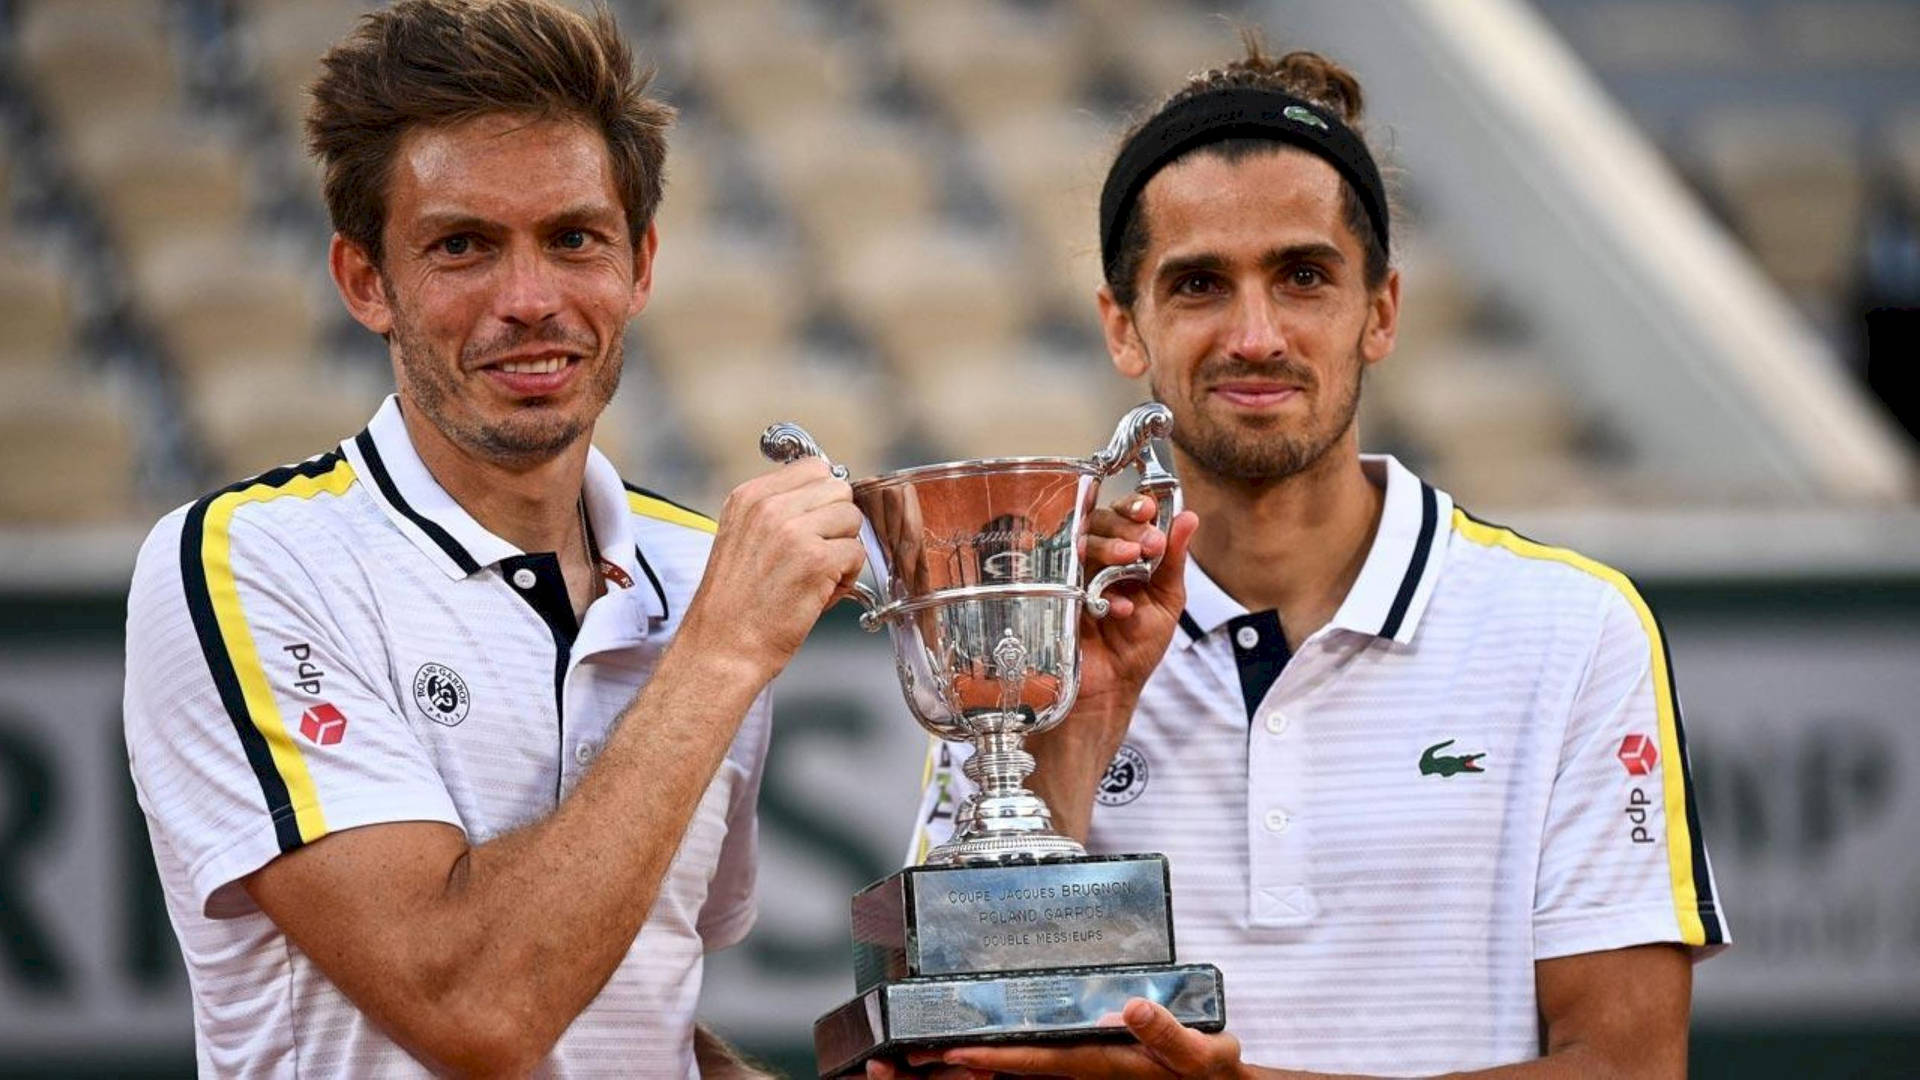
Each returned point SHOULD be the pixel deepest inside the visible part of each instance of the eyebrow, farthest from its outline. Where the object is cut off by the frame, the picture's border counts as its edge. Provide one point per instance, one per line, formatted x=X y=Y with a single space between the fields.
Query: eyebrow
x=1272 y=259
x=457 y=221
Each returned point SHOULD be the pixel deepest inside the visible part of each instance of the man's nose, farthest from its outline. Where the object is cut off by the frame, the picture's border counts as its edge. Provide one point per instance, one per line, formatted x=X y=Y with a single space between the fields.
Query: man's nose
x=1258 y=332
x=529 y=293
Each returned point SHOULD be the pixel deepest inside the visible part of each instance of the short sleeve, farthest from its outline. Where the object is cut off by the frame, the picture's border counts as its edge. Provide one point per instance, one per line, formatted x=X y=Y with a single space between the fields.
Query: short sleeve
x=728 y=912
x=254 y=719
x=1622 y=860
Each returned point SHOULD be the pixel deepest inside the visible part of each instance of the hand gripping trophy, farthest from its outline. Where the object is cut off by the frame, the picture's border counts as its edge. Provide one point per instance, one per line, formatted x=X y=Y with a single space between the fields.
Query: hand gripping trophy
x=1010 y=931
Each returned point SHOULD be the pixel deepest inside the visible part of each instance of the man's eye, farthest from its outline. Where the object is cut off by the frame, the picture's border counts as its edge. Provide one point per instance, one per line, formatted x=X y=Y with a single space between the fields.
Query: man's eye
x=1304 y=277
x=457 y=245
x=573 y=239
x=1194 y=285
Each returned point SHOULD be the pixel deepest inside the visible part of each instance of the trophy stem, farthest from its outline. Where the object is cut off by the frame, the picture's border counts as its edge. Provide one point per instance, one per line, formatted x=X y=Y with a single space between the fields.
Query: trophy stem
x=1002 y=821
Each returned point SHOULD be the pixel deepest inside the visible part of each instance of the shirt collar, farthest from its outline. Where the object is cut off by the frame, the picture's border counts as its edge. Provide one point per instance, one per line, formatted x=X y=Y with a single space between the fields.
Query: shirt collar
x=1396 y=581
x=443 y=530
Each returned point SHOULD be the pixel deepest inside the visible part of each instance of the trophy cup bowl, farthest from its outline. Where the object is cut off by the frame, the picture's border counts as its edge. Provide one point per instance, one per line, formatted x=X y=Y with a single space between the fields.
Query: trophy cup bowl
x=1009 y=931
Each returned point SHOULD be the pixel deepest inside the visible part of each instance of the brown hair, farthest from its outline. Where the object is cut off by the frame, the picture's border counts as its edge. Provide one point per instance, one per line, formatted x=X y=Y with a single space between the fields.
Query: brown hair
x=1303 y=74
x=436 y=62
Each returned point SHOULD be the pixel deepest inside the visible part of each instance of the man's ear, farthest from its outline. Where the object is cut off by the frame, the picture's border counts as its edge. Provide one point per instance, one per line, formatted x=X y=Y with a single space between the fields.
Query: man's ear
x=643 y=254
x=360 y=285
x=1383 y=320
x=1124 y=347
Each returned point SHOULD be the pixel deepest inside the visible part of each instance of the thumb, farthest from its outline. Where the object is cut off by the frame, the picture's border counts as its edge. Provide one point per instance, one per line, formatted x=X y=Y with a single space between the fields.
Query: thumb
x=1181 y=1050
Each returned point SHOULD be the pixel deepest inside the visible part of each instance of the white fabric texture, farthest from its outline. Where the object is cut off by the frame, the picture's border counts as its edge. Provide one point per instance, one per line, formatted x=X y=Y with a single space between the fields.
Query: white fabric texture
x=1370 y=915
x=353 y=581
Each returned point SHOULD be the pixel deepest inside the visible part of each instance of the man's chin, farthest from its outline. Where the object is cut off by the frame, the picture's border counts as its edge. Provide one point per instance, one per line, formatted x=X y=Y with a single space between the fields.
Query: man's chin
x=527 y=438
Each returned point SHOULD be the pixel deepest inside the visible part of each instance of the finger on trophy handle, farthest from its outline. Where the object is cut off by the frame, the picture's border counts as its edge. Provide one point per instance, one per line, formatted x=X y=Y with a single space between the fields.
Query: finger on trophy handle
x=787 y=442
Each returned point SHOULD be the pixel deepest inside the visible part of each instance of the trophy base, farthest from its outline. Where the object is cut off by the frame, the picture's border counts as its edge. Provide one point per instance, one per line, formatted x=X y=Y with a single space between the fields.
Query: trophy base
x=1010 y=1007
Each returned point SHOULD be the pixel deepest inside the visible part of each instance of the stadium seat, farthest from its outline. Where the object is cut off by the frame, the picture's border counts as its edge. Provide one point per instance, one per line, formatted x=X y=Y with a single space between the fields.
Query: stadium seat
x=1014 y=404
x=220 y=304
x=286 y=38
x=1471 y=402
x=713 y=298
x=158 y=177
x=37 y=310
x=847 y=178
x=985 y=60
x=98 y=60
x=1792 y=180
x=923 y=294
x=849 y=413
x=1159 y=46
x=70 y=446
x=762 y=64
x=283 y=409
x=1047 y=166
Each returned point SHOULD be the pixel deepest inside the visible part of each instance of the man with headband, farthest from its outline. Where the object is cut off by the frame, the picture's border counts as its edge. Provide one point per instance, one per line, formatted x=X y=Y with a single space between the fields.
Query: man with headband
x=1422 y=781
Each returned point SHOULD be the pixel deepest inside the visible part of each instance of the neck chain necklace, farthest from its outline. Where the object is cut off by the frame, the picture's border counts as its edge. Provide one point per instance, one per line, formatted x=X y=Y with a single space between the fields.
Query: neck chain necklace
x=592 y=551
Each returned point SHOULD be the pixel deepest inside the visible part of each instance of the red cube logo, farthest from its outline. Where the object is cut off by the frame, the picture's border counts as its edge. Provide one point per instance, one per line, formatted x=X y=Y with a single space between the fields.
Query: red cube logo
x=323 y=724
x=1638 y=754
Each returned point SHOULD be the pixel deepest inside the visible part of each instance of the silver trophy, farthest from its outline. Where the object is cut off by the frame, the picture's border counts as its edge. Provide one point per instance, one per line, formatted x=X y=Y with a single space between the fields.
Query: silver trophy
x=1009 y=931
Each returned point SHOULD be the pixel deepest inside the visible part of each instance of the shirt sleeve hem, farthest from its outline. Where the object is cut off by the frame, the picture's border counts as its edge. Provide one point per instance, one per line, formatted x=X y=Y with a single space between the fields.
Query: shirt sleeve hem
x=259 y=847
x=1602 y=929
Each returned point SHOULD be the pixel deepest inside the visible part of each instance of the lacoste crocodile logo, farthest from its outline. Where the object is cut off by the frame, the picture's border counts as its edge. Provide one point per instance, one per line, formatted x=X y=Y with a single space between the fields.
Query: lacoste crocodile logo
x=1438 y=764
x=1302 y=115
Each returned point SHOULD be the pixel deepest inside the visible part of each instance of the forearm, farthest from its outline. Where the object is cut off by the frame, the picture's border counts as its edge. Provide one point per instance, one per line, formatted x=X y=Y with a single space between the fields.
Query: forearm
x=534 y=923
x=1071 y=759
x=718 y=1061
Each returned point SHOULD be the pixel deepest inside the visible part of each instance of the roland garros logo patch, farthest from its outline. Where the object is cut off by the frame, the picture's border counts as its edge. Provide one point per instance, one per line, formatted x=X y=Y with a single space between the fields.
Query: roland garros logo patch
x=441 y=694
x=1126 y=778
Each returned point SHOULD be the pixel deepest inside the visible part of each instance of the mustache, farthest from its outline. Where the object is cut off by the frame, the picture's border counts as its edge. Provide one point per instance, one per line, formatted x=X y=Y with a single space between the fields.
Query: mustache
x=516 y=339
x=1228 y=369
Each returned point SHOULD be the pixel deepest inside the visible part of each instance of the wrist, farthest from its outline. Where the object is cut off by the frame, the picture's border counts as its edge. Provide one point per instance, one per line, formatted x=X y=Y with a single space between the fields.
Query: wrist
x=716 y=659
x=726 y=651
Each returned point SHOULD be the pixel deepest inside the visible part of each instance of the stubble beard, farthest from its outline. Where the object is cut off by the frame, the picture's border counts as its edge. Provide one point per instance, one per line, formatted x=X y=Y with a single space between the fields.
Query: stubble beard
x=528 y=435
x=1266 y=456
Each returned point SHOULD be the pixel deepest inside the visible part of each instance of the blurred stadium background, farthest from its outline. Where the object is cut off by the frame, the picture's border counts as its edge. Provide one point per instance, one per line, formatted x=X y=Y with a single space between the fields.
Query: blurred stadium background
x=1662 y=264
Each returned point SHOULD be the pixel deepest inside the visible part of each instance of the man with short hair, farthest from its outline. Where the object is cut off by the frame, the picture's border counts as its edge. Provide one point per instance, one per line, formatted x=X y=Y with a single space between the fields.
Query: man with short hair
x=1422 y=781
x=448 y=741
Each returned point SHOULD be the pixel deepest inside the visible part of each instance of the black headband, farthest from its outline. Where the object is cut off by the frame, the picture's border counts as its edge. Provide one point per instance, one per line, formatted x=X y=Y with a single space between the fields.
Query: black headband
x=1236 y=113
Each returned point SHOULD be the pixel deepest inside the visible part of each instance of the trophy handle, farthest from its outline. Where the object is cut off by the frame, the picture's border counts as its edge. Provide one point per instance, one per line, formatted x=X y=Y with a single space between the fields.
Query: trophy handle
x=1132 y=442
x=787 y=442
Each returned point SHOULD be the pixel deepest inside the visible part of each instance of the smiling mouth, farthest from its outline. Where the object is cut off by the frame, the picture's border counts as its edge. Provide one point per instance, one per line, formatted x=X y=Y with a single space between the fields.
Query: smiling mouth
x=544 y=366
x=1256 y=393
x=533 y=376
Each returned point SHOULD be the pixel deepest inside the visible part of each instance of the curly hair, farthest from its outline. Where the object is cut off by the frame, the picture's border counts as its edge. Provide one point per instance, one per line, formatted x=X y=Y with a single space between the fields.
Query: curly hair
x=1303 y=74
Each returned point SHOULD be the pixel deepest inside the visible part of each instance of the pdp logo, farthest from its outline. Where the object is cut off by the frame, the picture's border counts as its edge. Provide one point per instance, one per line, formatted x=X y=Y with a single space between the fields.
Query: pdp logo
x=1126 y=778
x=441 y=694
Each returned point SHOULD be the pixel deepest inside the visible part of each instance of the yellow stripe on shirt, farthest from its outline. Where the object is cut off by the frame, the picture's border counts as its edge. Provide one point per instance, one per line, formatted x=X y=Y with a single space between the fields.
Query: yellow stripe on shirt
x=1686 y=899
x=652 y=506
x=223 y=592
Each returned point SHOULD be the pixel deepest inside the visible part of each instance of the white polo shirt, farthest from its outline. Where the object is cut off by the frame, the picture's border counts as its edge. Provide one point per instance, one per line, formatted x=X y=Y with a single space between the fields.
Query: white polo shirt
x=1477 y=764
x=337 y=643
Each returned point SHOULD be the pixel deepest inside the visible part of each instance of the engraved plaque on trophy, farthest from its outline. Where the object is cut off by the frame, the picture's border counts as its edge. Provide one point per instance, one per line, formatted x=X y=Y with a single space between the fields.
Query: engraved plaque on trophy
x=1010 y=932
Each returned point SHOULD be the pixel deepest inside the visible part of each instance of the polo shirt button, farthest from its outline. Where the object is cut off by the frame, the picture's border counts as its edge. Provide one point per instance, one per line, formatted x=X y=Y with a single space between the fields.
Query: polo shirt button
x=1247 y=636
x=524 y=578
x=1277 y=821
x=582 y=753
x=1277 y=722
